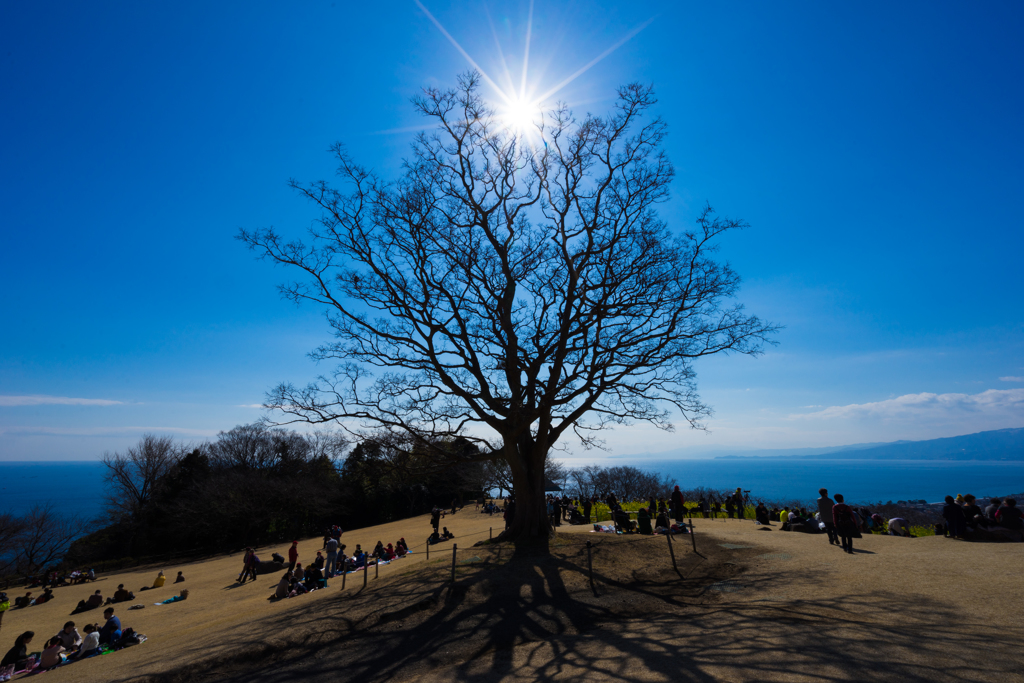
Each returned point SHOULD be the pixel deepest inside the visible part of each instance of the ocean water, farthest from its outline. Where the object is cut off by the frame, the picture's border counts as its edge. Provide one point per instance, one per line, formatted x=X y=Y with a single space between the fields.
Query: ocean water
x=77 y=487
x=72 y=487
x=860 y=481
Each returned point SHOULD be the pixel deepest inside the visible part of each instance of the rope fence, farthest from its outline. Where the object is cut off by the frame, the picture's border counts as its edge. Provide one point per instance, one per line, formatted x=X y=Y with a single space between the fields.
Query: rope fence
x=490 y=532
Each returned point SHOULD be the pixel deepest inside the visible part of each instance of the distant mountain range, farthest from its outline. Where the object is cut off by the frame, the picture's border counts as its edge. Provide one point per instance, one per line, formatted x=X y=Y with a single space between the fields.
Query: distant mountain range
x=1000 y=444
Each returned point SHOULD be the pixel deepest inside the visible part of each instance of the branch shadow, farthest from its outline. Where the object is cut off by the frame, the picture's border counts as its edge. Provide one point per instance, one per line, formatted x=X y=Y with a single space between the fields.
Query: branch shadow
x=536 y=618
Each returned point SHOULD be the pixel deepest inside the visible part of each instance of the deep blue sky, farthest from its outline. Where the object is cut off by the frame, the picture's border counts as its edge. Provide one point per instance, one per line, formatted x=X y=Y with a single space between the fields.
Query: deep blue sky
x=876 y=151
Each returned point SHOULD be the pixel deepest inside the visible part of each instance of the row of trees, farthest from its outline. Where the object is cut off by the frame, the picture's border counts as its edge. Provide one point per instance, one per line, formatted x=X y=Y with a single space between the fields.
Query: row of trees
x=256 y=484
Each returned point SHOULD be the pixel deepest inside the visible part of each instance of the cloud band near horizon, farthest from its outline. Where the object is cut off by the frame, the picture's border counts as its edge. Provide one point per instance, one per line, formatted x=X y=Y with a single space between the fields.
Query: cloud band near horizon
x=41 y=400
x=924 y=404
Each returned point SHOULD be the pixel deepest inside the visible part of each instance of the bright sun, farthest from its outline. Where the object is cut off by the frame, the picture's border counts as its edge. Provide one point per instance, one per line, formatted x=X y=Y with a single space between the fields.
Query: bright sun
x=521 y=115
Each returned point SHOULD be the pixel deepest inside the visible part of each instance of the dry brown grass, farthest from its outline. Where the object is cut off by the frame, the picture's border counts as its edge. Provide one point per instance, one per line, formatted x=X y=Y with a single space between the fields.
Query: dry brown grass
x=788 y=607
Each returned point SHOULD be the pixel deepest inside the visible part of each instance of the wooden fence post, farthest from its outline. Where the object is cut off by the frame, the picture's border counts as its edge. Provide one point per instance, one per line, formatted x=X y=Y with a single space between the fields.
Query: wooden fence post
x=366 y=575
x=428 y=549
x=376 y=571
x=455 y=547
x=693 y=538
x=343 y=575
x=672 y=552
x=590 y=565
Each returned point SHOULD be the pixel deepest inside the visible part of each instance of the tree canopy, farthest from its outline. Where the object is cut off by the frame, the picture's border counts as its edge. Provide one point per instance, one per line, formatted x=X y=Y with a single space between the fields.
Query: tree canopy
x=511 y=287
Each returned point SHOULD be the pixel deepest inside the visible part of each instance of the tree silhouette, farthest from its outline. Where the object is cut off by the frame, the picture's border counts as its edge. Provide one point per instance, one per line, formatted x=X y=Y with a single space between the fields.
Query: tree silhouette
x=511 y=287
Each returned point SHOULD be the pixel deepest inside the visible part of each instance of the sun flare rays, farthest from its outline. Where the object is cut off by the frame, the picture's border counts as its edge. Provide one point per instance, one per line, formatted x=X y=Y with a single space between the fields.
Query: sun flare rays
x=519 y=109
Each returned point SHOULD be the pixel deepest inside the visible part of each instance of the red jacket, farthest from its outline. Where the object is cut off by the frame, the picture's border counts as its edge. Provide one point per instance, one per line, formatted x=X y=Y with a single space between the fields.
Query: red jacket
x=293 y=553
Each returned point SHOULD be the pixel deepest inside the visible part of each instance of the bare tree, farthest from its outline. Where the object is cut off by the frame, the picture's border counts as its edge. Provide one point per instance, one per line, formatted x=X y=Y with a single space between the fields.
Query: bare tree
x=512 y=287
x=132 y=476
x=12 y=528
x=46 y=537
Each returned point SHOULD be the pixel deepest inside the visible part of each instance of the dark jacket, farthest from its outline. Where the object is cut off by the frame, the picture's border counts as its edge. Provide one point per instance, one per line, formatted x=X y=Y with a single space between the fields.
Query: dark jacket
x=111 y=630
x=825 y=509
x=15 y=655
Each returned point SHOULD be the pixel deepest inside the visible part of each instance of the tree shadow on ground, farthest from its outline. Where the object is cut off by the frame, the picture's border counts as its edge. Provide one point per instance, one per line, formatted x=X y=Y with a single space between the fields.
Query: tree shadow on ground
x=535 y=617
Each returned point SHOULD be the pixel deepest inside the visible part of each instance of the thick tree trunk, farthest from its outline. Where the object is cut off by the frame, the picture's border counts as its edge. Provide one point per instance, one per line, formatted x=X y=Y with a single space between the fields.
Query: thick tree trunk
x=530 y=530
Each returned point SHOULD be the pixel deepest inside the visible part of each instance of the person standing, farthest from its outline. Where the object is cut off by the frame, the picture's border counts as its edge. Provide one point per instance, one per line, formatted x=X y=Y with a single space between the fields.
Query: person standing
x=741 y=511
x=293 y=553
x=825 y=505
x=678 y=504
x=956 y=522
x=331 y=565
x=845 y=523
x=509 y=514
x=435 y=518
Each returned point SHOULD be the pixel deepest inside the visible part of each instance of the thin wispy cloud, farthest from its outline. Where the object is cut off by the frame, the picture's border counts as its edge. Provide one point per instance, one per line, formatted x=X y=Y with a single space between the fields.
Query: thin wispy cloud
x=926 y=404
x=1011 y=379
x=40 y=400
x=102 y=431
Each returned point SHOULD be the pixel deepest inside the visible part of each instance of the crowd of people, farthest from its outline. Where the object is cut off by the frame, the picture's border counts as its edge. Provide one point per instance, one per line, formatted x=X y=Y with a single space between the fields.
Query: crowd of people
x=963 y=515
x=330 y=561
x=68 y=645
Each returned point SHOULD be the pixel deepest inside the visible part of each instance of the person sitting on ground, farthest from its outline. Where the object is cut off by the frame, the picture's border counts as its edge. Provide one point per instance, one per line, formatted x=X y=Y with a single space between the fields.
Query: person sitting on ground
x=94 y=601
x=277 y=557
x=1009 y=516
x=643 y=521
x=378 y=550
x=622 y=521
x=18 y=655
x=121 y=594
x=400 y=550
x=111 y=631
x=990 y=510
x=92 y=574
x=44 y=598
x=319 y=561
x=956 y=523
x=389 y=553
x=972 y=513
x=90 y=646
x=298 y=574
x=69 y=636
x=180 y=579
x=157 y=583
x=183 y=595
x=314 y=577
x=447 y=535
x=52 y=654
x=23 y=601
x=761 y=514
x=404 y=545
x=899 y=527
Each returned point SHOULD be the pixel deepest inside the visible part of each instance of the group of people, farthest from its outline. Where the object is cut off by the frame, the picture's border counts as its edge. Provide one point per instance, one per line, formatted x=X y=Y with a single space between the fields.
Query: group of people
x=963 y=514
x=56 y=578
x=68 y=645
x=298 y=580
x=435 y=521
x=122 y=594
